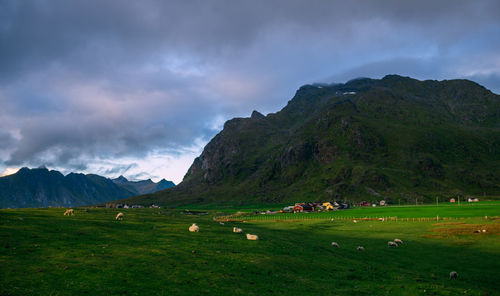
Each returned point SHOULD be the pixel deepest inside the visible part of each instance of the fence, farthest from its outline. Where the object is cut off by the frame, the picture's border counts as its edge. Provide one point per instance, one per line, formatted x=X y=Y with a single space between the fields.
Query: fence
x=292 y=217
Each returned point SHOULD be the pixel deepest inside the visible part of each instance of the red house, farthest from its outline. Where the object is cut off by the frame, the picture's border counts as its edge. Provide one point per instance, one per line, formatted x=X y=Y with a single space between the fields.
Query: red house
x=302 y=207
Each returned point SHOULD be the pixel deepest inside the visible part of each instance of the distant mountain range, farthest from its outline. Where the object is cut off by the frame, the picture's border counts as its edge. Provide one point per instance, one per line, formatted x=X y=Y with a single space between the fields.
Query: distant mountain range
x=41 y=187
x=395 y=138
x=143 y=187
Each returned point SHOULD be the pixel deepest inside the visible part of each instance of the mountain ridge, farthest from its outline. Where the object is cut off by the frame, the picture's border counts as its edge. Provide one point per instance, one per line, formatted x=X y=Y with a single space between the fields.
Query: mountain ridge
x=396 y=138
x=41 y=187
x=143 y=186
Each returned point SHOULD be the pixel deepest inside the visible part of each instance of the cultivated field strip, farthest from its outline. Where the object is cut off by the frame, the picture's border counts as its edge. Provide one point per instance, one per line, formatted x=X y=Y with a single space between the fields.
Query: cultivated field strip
x=386 y=214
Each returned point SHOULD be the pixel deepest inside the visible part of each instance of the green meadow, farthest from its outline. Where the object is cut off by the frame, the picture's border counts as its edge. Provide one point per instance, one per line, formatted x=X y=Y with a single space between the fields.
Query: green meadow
x=151 y=252
x=445 y=211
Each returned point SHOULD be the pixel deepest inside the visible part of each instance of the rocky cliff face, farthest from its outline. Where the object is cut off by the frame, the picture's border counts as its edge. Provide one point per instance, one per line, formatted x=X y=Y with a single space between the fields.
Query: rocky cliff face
x=396 y=137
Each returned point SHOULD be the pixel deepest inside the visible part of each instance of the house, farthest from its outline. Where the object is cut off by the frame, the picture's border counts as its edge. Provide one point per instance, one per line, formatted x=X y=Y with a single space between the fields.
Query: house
x=303 y=207
x=343 y=206
x=314 y=206
x=329 y=206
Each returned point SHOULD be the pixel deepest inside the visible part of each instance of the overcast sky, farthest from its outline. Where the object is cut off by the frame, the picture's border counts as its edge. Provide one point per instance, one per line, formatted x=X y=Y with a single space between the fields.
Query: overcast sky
x=139 y=87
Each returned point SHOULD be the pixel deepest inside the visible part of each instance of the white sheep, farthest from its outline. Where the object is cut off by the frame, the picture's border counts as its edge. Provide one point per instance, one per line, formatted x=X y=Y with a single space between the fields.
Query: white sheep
x=221 y=223
x=360 y=248
x=194 y=228
x=69 y=212
x=335 y=244
x=119 y=216
x=355 y=221
x=237 y=230
x=398 y=241
x=252 y=236
x=392 y=244
x=453 y=275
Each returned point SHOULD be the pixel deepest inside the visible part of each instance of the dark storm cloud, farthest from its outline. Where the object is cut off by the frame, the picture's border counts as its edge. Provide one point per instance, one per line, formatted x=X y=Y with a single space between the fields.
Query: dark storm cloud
x=97 y=80
x=6 y=140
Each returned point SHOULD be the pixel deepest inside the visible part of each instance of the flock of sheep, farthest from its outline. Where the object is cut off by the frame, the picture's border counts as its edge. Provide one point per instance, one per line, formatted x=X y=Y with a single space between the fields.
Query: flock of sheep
x=195 y=228
x=192 y=228
x=71 y=212
x=395 y=243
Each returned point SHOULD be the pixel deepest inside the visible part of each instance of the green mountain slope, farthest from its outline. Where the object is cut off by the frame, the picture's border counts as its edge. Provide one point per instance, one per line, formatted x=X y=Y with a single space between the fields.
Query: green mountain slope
x=393 y=138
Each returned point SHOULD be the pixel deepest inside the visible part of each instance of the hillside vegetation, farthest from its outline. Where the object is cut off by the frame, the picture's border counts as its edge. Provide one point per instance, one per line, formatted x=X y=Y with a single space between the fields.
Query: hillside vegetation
x=396 y=138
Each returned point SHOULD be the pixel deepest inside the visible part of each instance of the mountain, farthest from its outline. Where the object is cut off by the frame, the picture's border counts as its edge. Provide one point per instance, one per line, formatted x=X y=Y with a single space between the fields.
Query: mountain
x=42 y=188
x=143 y=187
x=395 y=138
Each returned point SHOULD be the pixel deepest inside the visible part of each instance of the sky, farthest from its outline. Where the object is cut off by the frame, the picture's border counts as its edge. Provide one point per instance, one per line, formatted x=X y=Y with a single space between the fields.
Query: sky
x=137 y=88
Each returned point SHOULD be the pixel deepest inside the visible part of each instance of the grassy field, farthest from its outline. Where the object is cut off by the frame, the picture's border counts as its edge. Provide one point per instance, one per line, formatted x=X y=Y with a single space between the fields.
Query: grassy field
x=443 y=211
x=151 y=252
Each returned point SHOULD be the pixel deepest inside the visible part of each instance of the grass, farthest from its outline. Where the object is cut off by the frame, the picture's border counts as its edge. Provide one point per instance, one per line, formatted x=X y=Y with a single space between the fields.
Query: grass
x=151 y=252
x=446 y=210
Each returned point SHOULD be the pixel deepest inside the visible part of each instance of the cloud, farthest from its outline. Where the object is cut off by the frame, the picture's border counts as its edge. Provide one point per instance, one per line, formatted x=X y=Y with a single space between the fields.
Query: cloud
x=120 y=169
x=98 y=85
x=6 y=140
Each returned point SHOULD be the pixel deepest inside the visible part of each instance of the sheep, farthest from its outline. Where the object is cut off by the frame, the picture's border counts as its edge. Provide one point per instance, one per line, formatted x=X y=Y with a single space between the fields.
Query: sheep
x=119 y=216
x=237 y=230
x=484 y=230
x=252 y=236
x=392 y=244
x=453 y=275
x=335 y=244
x=360 y=248
x=355 y=221
x=194 y=228
x=477 y=231
x=398 y=241
x=69 y=212
x=221 y=223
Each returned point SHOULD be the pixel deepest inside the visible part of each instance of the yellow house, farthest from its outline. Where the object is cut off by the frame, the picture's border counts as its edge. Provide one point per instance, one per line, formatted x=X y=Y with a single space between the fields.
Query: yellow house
x=329 y=206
